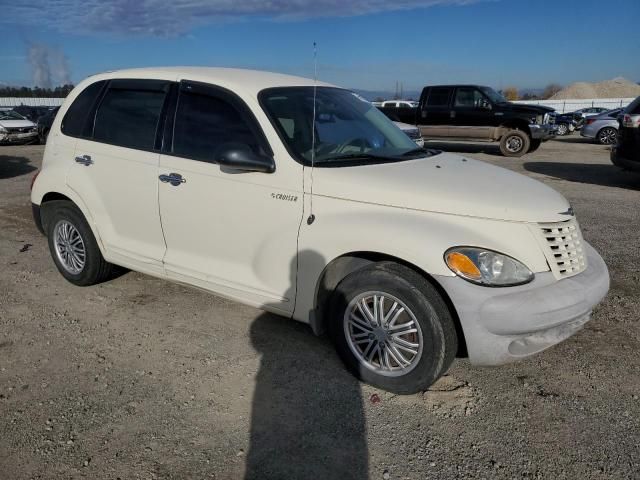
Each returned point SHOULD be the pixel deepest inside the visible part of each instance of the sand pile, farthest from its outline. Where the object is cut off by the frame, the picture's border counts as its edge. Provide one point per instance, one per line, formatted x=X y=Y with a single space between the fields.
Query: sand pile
x=616 y=88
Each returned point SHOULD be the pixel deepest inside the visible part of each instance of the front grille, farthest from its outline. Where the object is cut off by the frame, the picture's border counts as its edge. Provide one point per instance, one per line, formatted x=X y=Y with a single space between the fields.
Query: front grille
x=550 y=118
x=564 y=248
x=20 y=129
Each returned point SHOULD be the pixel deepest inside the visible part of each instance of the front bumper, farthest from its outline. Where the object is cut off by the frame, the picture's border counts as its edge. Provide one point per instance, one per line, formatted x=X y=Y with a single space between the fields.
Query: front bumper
x=542 y=132
x=18 y=137
x=588 y=131
x=623 y=162
x=502 y=325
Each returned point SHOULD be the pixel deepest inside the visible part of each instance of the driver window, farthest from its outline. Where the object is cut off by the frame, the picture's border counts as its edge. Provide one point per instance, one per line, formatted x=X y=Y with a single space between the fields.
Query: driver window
x=469 y=97
x=205 y=122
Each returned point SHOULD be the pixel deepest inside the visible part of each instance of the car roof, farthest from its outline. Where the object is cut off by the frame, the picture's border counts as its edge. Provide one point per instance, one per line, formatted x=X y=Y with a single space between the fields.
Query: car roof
x=232 y=78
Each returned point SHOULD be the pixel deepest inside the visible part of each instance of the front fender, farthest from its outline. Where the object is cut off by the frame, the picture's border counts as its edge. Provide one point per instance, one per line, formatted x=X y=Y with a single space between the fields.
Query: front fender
x=419 y=238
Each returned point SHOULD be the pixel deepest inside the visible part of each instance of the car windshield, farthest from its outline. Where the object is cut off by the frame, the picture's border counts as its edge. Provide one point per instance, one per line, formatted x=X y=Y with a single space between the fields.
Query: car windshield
x=10 y=115
x=347 y=127
x=494 y=96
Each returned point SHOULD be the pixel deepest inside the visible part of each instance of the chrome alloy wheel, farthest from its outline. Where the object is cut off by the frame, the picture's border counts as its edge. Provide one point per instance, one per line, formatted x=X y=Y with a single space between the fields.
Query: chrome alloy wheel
x=383 y=333
x=563 y=129
x=608 y=136
x=514 y=144
x=69 y=247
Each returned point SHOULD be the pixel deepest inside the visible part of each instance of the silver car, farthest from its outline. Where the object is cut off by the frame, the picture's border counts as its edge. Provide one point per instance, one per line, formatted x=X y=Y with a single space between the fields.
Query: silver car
x=603 y=127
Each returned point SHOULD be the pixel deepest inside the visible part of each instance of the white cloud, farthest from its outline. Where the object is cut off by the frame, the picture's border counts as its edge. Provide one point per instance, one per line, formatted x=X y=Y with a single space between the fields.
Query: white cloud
x=162 y=18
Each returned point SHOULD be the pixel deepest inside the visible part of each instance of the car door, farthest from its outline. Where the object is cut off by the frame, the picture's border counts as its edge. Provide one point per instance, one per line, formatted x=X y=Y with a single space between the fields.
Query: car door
x=435 y=114
x=228 y=231
x=469 y=114
x=115 y=172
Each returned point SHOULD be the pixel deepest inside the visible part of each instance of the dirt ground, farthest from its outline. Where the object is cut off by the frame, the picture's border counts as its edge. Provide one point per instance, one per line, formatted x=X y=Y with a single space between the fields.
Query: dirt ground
x=142 y=378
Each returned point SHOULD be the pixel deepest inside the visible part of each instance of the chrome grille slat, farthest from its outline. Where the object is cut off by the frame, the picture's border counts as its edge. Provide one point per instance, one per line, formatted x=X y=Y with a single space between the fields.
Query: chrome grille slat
x=563 y=247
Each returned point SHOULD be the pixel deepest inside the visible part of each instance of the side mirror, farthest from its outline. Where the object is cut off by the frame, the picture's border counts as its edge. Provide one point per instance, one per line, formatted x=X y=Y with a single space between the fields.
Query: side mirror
x=240 y=157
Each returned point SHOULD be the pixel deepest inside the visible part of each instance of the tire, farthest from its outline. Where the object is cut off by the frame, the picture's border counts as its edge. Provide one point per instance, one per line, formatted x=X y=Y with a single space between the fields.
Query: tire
x=429 y=325
x=535 y=144
x=44 y=136
x=514 y=143
x=63 y=216
x=563 y=129
x=607 y=136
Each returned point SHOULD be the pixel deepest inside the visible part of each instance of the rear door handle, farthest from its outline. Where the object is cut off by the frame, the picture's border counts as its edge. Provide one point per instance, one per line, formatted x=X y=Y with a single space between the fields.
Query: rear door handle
x=84 y=160
x=174 y=179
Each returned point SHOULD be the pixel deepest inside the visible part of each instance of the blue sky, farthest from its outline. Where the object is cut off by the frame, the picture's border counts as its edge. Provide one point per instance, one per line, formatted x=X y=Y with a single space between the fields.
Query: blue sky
x=366 y=44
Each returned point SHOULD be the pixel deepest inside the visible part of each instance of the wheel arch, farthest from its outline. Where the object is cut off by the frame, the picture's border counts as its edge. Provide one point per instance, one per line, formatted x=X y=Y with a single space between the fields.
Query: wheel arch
x=515 y=123
x=338 y=269
x=51 y=196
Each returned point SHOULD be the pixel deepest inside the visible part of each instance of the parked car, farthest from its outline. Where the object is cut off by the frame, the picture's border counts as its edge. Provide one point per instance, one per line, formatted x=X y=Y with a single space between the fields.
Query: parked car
x=587 y=112
x=14 y=128
x=626 y=153
x=412 y=132
x=44 y=124
x=400 y=104
x=603 y=127
x=566 y=123
x=30 y=112
x=476 y=113
x=217 y=178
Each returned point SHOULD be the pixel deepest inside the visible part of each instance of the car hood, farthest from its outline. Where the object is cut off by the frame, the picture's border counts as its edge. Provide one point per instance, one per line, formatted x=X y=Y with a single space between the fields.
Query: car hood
x=521 y=108
x=17 y=123
x=445 y=183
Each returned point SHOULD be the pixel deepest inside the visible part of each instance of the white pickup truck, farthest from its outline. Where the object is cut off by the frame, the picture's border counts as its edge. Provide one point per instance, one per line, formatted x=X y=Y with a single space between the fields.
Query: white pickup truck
x=226 y=180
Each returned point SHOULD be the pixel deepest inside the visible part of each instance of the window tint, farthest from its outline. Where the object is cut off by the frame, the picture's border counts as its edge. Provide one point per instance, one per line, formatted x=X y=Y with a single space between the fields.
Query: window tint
x=205 y=122
x=74 y=120
x=439 y=97
x=128 y=117
x=634 y=107
x=468 y=97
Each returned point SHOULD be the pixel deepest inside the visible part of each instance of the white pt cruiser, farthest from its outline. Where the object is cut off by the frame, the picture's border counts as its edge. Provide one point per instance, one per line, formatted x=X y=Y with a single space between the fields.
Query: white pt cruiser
x=304 y=200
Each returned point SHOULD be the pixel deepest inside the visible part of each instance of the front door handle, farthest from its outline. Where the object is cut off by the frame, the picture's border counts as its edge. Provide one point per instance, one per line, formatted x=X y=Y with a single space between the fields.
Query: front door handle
x=84 y=160
x=174 y=179
x=453 y=114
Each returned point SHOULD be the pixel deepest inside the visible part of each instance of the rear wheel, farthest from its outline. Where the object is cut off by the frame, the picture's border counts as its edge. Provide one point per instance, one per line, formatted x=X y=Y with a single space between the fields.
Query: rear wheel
x=607 y=136
x=391 y=328
x=514 y=143
x=72 y=245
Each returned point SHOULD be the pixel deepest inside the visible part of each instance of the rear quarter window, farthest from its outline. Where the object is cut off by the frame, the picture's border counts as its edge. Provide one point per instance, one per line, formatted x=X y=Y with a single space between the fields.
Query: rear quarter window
x=74 y=121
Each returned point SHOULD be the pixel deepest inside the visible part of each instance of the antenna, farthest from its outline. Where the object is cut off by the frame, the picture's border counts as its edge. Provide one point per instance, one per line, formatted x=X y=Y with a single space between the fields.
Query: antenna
x=312 y=217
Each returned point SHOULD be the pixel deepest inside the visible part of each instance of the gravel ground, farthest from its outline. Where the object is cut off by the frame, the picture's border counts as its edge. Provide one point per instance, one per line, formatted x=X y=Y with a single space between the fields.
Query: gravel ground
x=141 y=378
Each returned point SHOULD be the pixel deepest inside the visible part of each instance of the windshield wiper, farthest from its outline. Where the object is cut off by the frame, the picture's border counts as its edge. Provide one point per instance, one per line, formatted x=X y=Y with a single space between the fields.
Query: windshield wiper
x=352 y=156
x=414 y=151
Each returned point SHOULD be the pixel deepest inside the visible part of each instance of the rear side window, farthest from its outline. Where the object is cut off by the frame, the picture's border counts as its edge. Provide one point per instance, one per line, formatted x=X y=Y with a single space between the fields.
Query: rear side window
x=73 y=123
x=206 y=121
x=634 y=107
x=129 y=113
x=439 y=97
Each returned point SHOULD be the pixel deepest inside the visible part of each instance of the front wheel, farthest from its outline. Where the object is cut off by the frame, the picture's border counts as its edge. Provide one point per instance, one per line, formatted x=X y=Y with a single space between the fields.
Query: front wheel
x=563 y=129
x=514 y=143
x=392 y=328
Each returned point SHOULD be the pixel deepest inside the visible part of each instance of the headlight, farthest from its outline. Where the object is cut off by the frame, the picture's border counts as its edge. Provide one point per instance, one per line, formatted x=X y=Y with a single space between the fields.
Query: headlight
x=486 y=267
x=2 y=129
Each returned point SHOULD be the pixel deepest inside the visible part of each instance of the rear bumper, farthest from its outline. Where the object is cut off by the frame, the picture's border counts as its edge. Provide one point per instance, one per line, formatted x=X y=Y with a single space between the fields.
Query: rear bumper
x=542 y=132
x=502 y=325
x=623 y=162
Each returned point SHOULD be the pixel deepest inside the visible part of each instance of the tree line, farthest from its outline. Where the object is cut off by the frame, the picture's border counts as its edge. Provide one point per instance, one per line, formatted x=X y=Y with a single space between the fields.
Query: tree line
x=36 y=92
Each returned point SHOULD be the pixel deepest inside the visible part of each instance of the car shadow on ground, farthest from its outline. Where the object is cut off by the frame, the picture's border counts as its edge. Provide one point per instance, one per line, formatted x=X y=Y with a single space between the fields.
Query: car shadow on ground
x=596 y=174
x=307 y=416
x=14 y=166
x=574 y=138
x=487 y=148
